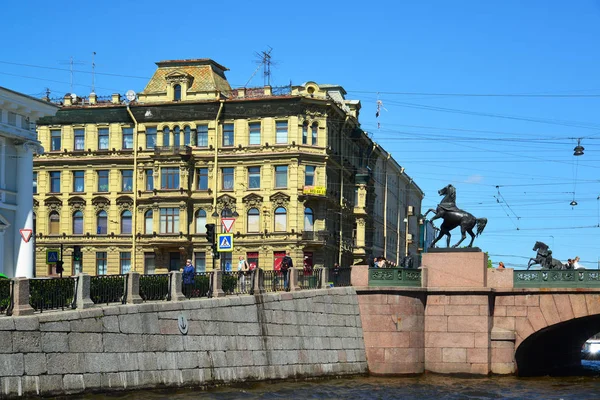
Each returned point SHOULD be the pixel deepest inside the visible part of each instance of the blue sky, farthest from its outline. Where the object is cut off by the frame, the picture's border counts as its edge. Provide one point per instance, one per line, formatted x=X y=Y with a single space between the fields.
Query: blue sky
x=410 y=55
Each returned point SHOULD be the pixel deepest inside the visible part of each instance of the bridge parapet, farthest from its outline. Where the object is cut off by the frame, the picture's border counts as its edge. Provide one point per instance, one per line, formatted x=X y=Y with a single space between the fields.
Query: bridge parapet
x=557 y=279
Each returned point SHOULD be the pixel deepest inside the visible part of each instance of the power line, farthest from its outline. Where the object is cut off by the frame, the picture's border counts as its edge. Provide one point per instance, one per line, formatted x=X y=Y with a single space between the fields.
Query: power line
x=74 y=70
x=549 y=95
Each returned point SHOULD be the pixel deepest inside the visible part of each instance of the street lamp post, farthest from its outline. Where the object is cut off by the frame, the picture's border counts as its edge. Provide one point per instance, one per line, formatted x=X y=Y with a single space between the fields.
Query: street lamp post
x=405 y=236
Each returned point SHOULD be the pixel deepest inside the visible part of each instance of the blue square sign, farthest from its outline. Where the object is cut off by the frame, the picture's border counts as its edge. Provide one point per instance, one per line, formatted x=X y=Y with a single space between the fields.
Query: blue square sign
x=225 y=242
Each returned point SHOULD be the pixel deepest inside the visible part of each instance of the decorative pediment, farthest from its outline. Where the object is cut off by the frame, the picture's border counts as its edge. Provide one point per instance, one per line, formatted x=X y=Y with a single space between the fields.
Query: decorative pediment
x=100 y=203
x=225 y=200
x=124 y=203
x=76 y=203
x=252 y=201
x=178 y=77
x=53 y=203
x=279 y=199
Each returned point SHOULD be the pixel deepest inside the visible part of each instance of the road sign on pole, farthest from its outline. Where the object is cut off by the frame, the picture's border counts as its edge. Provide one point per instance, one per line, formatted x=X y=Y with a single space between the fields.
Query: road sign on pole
x=52 y=256
x=227 y=223
x=225 y=243
x=26 y=234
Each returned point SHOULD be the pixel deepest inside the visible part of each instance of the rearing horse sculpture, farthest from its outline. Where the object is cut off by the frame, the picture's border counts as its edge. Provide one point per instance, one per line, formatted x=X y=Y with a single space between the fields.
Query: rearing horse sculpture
x=454 y=217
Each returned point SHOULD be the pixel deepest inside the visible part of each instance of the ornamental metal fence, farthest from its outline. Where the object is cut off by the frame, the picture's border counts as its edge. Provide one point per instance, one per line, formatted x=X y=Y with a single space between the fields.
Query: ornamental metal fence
x=237 y=282
x=275 y=281
x=310 y=279
x=340 y=277
x=52 y=293
x=155 y=287
x=548 y=278
x=108 y=289
x=200 y=287
x=395 y=277
x=6 y=296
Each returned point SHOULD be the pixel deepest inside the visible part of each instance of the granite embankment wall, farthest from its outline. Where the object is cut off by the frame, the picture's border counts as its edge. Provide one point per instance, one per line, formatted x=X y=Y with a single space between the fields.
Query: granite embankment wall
x=270 y=336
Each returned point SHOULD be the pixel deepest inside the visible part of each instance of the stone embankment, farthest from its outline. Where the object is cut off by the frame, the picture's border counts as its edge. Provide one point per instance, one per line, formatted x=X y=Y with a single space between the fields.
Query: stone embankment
x=270 y=336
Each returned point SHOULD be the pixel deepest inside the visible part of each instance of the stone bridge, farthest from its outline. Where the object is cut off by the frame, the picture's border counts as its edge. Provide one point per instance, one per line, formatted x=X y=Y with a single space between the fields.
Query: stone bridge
x=464 y=318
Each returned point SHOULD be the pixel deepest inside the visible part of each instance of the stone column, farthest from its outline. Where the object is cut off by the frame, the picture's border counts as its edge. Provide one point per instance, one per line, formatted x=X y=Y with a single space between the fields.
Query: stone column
x=83 y=299
x=293 y=277
x=324 y=278
x=176 y=282
x=258 y=280
x=21 y=297
x=133 y=288
x=217 y=284
x=24 y=251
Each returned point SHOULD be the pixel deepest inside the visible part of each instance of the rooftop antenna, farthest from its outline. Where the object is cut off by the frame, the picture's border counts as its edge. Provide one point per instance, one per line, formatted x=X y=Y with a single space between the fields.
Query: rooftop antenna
x=93 y=72
x=264 y=60
x=71 y=62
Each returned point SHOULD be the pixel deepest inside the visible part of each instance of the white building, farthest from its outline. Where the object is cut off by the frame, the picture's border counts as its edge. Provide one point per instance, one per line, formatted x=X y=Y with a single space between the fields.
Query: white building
x=18 y=142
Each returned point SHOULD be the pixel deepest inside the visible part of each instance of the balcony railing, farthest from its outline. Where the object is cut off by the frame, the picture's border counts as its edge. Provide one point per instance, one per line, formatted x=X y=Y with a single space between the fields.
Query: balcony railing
x=557 y=278
x=172 y=150
x=394 y=277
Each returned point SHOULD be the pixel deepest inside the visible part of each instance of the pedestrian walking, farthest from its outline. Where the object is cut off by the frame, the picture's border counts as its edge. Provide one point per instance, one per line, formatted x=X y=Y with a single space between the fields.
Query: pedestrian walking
x=188 y=276
x=243 y=269
x=286 y=264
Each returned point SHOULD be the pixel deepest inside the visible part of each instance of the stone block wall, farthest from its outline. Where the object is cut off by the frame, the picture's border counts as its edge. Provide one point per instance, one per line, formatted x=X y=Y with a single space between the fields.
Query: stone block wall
x=457 y=333
x=393 y=325
x=271 y=336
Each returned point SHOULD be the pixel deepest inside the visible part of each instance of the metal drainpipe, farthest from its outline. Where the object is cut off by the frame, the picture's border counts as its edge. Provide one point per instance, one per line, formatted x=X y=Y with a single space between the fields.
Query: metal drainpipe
x=134 y=213
x=216 y=161
x=342 y=189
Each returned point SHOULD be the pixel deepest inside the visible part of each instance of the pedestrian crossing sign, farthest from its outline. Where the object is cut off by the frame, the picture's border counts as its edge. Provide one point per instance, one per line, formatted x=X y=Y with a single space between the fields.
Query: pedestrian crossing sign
x=52 y=256
x=225 y=242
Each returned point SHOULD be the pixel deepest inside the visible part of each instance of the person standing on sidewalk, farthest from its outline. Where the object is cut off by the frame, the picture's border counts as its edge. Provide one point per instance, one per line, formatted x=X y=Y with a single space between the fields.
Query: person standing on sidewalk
x=188 y=275
x=243 y=269
x=286 y=264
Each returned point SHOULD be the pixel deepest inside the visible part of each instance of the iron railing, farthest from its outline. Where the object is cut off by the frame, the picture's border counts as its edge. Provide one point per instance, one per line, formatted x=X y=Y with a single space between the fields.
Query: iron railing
x=395 y=277
x=155 y=287
x=6 y=296
x=339 y=277
x=236 y=282
x=310 y=279
x=173 y=150
x=52 y=294
x=273 y=281
x=545 y=278
x=201 y=287
x=108 y=289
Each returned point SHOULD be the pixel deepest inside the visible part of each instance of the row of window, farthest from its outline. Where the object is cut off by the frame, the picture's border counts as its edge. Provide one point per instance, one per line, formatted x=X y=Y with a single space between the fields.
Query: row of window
x=169 y=179
x=173 y=137
x=169 y=221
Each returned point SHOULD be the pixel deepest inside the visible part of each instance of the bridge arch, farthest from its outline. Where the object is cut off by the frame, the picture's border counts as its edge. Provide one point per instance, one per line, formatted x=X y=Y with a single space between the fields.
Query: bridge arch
x=550 y=329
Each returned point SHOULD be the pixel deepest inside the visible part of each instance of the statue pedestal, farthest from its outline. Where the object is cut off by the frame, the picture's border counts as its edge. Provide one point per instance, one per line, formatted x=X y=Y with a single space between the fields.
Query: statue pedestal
x=455 y=268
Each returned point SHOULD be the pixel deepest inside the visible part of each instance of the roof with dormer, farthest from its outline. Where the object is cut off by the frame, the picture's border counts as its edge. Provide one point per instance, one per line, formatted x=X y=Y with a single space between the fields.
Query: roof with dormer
x=204 y=74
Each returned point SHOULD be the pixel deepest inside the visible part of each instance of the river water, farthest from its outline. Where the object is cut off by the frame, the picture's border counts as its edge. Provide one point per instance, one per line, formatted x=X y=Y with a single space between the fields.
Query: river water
x=429 y=386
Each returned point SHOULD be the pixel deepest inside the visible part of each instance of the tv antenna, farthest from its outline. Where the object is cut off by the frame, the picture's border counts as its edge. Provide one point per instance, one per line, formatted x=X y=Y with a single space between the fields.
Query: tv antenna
x=71 y=63
x=93 y=72
x=265 y=61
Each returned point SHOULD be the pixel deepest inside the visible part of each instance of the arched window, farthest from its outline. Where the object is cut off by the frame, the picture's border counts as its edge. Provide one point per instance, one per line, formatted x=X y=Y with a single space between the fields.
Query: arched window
x=78 y=223
x=54 y=223
x=148 y=223
x=201 y=221
x=166 y=136
x=187 y=136
x=253 y=220
x=126 y=222
x=309 y=220
x=176 y=136
x=305 y=133
x=101 y=223
x=280 y=219
x=314 y=130
x=226 y=213
x=177 y=92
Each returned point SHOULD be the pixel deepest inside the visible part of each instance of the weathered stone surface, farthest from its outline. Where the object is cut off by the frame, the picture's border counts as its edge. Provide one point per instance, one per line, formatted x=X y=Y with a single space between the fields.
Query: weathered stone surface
x=85 y=342
x=73 y=383
x=55 y=342
x=563 y=305
x=6 y=340
x=87 y=325
x=26 y=342
x=440 y=339
x=110 y=324
x=468 y=323
x=579 y=305
x=454 y=355
x=64 y=363
x=35 y=363
x=549 y=309
x=55 y=326
x=528 y=300
x=30 y=323
x=11 y=365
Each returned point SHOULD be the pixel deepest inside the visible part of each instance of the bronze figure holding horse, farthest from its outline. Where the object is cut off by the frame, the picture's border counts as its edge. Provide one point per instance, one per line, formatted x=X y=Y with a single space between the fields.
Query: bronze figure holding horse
x=454 y=217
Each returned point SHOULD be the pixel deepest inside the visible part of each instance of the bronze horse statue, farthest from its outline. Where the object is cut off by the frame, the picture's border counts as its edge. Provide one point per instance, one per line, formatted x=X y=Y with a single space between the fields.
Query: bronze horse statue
x=454 y=217
x=544 y=257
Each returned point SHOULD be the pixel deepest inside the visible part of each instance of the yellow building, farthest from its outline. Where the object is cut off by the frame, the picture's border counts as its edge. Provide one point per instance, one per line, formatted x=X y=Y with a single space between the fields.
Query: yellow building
x=132 y=183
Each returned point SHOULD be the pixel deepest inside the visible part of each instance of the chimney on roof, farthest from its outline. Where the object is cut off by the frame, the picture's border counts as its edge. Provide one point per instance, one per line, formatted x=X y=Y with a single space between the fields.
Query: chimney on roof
x=67 y=100
x=268 y=90
x=116 y=98
x=93 y=98
x=241 y=92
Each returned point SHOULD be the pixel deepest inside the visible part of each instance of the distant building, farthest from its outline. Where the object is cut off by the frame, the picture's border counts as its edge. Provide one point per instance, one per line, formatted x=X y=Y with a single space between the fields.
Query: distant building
x=18 y=142
x=133 y=186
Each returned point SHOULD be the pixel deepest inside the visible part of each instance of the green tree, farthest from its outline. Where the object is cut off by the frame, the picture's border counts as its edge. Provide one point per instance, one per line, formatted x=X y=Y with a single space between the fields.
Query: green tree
x=489 y=260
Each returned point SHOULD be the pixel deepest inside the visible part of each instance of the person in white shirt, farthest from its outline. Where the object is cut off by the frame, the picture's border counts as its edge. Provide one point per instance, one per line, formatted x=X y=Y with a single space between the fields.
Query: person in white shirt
x=576 y=264
x=242 y=271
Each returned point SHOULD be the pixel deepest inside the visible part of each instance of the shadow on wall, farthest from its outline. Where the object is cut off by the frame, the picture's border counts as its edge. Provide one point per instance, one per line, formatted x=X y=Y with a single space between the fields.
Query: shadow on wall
x=556 y=349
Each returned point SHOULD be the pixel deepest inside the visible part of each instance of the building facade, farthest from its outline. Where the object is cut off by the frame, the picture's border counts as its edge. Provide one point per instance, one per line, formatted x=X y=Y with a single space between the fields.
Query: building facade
x=18 y=143
x=132 y=185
